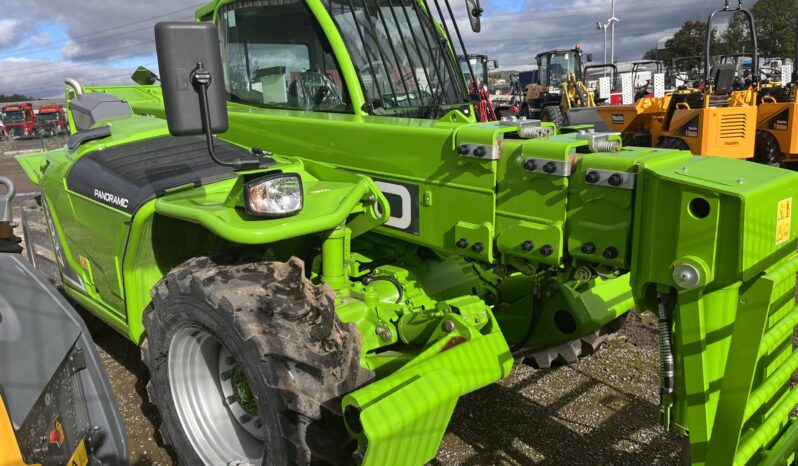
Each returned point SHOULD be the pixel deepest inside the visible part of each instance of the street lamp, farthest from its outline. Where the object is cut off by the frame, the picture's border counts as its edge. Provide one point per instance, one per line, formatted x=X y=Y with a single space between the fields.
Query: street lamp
x=611 y=23
x=603 y=27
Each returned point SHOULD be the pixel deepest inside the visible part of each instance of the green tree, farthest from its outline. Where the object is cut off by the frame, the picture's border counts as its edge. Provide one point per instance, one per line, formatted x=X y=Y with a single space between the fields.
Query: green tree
x=654 y=54
x=689 y=40
x=736 y=38
x=775 y=27
x=15 y=98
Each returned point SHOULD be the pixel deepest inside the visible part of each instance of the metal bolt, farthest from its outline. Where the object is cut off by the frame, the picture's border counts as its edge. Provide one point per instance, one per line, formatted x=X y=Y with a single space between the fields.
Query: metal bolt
x=478 y=247
x=610 y=253
x=549 y=167
x=615 y=180
x=588 y=248
x=530 y=165
x=546 y=250
x=463 y=150
x=448 y=325
x=528 y=246
x=384 y=333
x=583 y=274
x=686 y=276
x=462 y=243
x=480 y=152
x=592 y=177
x=552 y=289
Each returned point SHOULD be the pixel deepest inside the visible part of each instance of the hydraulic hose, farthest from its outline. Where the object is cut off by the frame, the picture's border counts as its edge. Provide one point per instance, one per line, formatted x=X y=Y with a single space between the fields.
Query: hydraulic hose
x=537 y=310
x=665 y=346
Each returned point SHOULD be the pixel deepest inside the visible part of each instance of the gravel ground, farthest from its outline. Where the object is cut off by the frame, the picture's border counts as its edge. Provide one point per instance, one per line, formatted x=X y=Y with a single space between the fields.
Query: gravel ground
x=602 y=410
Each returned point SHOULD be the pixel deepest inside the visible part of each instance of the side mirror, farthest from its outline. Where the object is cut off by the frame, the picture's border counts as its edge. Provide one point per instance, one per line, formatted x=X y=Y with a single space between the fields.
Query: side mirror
x=495 y=64
x=474 y=14
x=144 y=77
x=589 y=57
x=192 y=79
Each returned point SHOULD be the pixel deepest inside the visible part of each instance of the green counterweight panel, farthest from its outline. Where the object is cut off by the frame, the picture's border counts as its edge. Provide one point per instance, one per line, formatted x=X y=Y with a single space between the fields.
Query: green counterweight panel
x=714 y=243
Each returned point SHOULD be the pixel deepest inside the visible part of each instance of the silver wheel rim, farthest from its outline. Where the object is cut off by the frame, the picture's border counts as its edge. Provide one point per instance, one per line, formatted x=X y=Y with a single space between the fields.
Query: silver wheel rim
x=218 y=427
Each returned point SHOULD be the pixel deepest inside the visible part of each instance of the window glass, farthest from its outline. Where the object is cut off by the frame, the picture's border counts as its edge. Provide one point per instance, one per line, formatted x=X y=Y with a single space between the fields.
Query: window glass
x=405 y=67
x=13 y=116
x=276 y=56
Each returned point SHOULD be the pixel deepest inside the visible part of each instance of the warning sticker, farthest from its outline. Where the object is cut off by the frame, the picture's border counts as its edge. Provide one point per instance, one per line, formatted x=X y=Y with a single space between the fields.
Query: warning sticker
x=79 y=458
x=784 y=221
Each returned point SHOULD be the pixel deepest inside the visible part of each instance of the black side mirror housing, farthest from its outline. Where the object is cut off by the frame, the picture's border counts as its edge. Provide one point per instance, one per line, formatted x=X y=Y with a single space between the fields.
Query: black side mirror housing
x=189 y=59
x=144 y=77
x=589 y=57
x=474 y=14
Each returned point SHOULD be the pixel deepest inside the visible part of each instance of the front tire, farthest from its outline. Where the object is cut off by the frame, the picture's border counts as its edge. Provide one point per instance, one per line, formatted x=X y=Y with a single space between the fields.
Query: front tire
x=248 y=361
x=553 y=114
x=673 y=143
x=767 y=150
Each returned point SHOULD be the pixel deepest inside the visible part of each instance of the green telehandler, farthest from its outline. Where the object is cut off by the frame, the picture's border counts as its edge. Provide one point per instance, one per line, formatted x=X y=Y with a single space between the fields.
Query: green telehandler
x=320 y=250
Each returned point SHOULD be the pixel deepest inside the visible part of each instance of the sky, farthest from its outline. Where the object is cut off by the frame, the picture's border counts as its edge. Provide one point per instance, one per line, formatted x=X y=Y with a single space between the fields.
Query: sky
x=103 y=41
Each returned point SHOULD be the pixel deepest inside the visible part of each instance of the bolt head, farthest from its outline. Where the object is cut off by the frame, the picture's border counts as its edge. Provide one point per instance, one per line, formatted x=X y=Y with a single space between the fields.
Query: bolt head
x=588 y=248
x=530 y=165
x=480 y=152
x=463 y=150
x=478 y=247
x=546 y=250
x=615 y=180
x=528 y=245
x=686 y=276
x=610 y=253
x=592 y=177
x=550 y=167
x=448 y=325
x=462 y=243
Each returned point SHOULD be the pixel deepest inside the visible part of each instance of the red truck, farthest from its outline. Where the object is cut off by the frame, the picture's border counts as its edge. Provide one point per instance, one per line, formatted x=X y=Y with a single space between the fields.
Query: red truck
x=52 y=120
x=20 y=121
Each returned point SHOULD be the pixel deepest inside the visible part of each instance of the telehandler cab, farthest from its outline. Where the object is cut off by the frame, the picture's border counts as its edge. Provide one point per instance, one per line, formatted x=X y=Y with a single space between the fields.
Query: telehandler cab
x=333 y=304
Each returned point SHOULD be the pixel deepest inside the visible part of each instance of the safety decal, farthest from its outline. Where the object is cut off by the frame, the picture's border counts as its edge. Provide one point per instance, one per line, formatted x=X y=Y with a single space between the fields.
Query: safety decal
x=784 y=221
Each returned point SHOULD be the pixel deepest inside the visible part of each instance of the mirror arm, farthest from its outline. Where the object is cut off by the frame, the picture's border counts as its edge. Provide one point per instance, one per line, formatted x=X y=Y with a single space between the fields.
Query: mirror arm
x=201 y=78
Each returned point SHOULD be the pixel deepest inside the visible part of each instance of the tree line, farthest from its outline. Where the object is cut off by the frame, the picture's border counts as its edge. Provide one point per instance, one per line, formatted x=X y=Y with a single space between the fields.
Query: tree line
x=15 y=98
x=775 y=30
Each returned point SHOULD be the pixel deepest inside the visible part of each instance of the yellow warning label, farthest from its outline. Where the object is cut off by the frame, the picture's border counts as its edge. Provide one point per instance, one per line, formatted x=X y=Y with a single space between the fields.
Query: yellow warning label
x=84 y=262
x=784 y=221
x=79 y=458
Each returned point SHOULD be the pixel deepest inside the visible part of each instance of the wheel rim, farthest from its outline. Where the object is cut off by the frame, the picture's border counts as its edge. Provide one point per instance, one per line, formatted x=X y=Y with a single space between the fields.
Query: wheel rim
x=208 y=400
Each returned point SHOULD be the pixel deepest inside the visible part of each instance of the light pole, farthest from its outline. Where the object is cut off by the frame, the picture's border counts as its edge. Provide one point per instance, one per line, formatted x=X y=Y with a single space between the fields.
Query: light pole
x=603 y=27
x=611 y=22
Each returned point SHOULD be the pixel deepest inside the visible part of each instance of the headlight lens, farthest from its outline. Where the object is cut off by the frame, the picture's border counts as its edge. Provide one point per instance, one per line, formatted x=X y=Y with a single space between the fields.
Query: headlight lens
x=274 y=196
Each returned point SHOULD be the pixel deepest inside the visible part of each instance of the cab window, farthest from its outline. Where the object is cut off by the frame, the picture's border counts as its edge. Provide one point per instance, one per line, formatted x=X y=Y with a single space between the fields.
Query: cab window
x=276 y=56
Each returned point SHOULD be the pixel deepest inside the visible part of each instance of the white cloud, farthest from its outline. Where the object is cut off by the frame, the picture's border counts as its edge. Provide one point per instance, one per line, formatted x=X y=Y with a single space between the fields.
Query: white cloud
x=42 y=39
x=39 y=78
x=12 y=31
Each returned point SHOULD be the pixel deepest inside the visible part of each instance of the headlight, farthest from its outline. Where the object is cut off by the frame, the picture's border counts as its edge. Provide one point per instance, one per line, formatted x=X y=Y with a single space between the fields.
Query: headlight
x=277 y=195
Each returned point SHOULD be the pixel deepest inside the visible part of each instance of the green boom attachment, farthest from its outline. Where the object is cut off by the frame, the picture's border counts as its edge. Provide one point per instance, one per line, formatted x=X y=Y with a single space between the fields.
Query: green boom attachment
x=718 y=262
x=419 y=398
